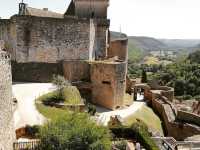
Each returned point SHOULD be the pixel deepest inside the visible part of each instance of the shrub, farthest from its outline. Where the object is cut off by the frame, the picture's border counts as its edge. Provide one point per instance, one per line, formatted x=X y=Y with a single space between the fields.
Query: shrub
x=143 y=136
x=121 y=145
x=74 y=132
x=138 y=131
x=32 y=131
x=91 y=109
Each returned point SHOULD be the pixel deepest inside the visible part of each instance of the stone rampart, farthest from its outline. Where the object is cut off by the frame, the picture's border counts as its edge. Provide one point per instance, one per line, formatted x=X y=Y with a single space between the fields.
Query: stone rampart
x=173 y=127
x=188 y=117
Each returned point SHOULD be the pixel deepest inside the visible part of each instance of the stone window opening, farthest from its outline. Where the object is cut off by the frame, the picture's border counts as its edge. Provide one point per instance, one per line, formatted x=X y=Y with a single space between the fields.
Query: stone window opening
x=106 y=82
x=92 y=14
x=27 y=37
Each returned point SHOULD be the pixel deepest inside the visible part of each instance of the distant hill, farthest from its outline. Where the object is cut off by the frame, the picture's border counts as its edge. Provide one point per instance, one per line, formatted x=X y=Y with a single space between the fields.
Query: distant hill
x=139 y=46
x=147 y=43
x=181 y=43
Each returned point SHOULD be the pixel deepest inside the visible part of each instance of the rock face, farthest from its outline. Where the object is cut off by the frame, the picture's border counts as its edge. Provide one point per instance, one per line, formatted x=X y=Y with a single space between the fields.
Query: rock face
x=7 y=134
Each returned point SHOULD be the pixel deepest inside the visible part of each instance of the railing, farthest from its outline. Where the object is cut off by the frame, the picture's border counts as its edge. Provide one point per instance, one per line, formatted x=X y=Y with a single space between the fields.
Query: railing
x=32 y=145
x=168 y=143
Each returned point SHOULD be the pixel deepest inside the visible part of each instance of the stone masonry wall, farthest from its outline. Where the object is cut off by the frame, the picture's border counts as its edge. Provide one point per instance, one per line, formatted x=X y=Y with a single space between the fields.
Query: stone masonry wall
x=108 y=83
x=76 y=71
x=40 y=39
x=7 y=133
x=8 y=35
x=35 y=72
x=118 y=48
x=174 y=128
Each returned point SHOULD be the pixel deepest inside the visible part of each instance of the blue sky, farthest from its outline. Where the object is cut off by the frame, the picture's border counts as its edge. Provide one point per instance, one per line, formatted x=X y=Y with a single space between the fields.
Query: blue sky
x=155 y=18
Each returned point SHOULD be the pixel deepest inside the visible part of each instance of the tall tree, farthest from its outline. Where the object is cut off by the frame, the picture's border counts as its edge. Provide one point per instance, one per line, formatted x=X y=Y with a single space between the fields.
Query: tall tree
x=144 y=76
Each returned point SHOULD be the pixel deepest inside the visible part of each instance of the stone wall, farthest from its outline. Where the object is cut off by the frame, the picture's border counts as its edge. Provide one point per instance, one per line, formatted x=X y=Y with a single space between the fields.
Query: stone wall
x=40 y=39
x=35 y=72
x=108 y=83
x=177 y=124
x=188 y=117
x=7 y=134
x=173 y=127
x=118 y=48
x=8 y=35
x=76 y=71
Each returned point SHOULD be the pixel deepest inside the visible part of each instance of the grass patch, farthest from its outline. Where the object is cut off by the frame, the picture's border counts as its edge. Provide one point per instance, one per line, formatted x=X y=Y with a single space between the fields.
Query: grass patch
x=51 y=113
x=68 y=95
x=147 y=115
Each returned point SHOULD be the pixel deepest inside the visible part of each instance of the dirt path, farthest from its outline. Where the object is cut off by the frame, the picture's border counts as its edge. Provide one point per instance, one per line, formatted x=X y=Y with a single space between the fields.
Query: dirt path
x=26 y=112
x=105 y=115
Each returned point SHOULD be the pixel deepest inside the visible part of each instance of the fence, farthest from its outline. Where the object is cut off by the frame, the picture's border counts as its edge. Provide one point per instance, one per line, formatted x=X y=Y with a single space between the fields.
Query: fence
x=31 y=145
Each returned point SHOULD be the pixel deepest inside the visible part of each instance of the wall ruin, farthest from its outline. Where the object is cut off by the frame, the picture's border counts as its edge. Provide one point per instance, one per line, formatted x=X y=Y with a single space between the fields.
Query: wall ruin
x=108 y=83
x=118 y=48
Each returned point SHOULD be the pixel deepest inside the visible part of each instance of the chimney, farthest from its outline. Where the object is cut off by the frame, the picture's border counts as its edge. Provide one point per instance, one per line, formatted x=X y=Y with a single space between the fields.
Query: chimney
x=45 y=9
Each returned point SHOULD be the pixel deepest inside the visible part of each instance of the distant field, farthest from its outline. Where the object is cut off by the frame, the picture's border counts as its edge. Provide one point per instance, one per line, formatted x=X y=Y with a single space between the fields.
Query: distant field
x=150 y=60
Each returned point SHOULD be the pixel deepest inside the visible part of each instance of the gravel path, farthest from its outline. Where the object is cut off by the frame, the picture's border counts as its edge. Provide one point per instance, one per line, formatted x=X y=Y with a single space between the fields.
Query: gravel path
x=105 y=115
x=26 y=112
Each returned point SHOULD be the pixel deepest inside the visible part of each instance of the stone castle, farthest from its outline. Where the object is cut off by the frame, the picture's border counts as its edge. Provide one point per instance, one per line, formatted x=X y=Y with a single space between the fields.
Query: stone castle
x=76 y=44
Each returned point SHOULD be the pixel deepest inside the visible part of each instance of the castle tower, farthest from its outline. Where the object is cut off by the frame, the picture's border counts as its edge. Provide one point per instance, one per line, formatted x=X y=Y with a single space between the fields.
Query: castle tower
x=88 y=8
x=7 y=133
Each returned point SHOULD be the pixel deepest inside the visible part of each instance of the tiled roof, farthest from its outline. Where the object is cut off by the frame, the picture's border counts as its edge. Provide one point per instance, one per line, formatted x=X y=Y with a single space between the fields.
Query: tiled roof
x=42 y=13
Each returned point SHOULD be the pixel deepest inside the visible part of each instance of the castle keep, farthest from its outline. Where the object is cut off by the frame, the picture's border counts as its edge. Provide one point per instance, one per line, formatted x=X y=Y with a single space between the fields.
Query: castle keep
x=77 y=44
x=6 y=105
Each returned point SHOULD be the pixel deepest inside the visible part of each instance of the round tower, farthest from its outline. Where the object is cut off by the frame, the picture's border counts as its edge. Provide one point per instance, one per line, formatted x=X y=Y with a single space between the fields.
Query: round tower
x=7 y=133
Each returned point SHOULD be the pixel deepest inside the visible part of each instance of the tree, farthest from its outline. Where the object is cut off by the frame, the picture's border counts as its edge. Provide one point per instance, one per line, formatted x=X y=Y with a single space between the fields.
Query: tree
x=75 y=131
x=144 y=76
x=60 y=83
x=179 y=87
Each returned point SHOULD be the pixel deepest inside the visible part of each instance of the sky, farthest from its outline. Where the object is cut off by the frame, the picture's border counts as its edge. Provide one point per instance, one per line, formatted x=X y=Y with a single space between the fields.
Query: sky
x=172 y=19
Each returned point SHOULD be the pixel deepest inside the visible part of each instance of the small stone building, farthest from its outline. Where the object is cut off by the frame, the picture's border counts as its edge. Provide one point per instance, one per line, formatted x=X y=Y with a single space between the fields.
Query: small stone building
x=7 y=133
x=76 y=44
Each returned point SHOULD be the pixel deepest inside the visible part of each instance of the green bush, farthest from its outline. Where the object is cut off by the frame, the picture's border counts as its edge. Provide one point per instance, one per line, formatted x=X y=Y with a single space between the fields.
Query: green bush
x=75 y=131
x=32 y=131
x=143 y=136
x=138 y=131
x=91 y=109
x=121 y=145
